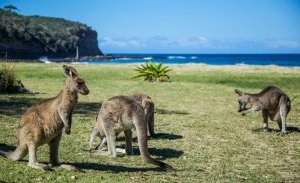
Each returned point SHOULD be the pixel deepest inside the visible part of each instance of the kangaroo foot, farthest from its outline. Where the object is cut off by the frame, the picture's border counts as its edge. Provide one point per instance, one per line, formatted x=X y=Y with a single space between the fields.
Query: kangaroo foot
x=39 y=166
x=283 y=132
x=106 y=153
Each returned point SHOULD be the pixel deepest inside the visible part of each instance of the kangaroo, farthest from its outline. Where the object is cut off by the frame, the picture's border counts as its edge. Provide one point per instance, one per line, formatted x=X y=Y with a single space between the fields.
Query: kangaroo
x=148 y=107
x=43 y=122
x=273 y=103
x=122 y=113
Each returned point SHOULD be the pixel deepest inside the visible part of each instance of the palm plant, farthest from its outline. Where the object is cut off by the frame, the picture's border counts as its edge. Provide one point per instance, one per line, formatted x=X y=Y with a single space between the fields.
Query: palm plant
x=153 y=72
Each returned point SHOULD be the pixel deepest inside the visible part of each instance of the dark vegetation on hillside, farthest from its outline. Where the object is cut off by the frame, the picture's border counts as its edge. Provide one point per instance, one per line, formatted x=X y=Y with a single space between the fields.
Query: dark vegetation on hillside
x=32 y=37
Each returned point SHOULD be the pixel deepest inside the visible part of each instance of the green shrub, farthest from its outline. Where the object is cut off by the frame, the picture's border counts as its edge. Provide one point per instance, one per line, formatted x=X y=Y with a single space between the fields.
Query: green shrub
x=153 y=72
x=7 y=78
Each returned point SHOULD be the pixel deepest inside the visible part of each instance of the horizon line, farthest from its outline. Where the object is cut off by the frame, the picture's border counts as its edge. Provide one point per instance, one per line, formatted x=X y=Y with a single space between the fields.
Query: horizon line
x=205 y=53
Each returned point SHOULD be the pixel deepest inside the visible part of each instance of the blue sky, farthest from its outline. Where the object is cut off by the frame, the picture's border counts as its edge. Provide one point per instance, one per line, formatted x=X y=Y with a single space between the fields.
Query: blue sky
x=181 y=26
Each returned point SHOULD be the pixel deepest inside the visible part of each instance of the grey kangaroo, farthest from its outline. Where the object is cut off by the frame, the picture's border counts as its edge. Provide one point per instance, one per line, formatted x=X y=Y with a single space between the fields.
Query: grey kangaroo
x=43 y=122
x=148 y=107
x=273 y=103
x=122 y=113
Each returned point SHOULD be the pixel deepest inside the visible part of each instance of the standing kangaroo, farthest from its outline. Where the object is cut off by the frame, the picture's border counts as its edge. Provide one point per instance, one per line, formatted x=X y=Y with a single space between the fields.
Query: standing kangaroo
x=273 y=103
x=43 y=122
x=148 y=107
x=122 y=113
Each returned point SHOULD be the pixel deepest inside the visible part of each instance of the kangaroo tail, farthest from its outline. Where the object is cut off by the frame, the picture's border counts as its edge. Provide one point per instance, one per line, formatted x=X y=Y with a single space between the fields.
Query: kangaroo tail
x=148 y=159
x=164 y=166
x=17 y=154
x=3 y=153
x=143 y=146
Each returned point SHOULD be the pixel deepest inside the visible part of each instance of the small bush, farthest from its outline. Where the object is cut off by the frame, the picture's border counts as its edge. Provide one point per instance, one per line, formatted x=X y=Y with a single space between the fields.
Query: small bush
x=153 y=72
x=7 y=78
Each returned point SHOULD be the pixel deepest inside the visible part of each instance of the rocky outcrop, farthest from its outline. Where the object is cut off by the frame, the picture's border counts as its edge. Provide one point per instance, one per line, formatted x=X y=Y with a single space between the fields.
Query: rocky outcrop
x=32 y=37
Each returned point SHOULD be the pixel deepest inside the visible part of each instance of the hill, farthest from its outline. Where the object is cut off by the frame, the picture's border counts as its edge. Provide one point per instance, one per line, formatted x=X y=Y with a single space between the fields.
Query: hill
x=32 y=37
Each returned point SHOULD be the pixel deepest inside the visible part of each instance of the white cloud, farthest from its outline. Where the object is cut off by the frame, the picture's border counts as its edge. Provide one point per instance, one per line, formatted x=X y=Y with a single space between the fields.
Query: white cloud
x=194 y=44
x=283 y=44
x=120 y=43
x=156 y=41
x=200 y=42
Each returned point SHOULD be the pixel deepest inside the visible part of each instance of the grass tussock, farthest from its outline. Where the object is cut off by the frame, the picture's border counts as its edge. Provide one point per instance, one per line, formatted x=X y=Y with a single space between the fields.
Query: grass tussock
x=7 y=78
x=199 y=130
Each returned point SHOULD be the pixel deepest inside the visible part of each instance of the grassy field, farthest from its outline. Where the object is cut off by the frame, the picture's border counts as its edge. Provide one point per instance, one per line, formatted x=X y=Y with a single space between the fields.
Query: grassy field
x=199 y=130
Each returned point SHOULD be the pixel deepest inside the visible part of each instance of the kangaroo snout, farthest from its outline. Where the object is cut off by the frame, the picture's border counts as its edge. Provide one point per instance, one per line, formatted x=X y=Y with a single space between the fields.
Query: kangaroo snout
x=68 y=131
x=85 y=92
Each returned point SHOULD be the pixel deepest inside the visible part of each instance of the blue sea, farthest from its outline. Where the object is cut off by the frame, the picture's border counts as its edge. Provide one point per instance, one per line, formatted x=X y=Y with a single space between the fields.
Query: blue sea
x=289 y=60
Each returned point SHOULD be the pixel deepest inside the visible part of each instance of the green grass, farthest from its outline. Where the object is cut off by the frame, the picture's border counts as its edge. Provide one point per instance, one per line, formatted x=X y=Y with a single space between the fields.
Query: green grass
x=200 y=132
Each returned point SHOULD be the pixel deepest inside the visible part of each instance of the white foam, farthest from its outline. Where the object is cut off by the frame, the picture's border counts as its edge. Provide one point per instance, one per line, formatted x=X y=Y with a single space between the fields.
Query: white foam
x=122 y=59
x=147 y=58
x=45 y=60
x=176 y=57
x=240 y=63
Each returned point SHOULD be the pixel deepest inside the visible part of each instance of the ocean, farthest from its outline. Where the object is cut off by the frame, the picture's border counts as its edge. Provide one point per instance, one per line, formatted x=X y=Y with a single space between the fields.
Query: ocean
x=289 y=60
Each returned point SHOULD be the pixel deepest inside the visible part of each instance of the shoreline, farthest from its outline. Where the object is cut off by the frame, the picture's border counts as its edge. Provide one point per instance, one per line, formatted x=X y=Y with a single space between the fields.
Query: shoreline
x=220 y=60
x=196 y=65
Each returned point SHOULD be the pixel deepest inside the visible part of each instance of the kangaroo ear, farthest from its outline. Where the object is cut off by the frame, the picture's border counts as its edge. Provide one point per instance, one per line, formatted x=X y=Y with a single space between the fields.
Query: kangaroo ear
x=238 y=92
x=70 y=71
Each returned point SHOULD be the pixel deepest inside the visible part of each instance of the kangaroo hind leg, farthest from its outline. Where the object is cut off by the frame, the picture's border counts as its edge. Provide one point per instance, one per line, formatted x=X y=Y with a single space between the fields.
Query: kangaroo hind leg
x=53 y=146
x=111 y=143
x=283 y=111
x=92 y=138
x=265 y=120
x=128 y=140
x=32 y=149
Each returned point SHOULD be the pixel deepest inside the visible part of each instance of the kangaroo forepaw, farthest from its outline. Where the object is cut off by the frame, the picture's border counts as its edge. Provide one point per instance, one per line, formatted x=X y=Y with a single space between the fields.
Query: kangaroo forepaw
x=68 y=131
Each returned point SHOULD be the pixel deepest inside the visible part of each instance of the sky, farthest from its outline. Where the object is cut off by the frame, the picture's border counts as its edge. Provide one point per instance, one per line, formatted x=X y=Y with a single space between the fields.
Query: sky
x=180 y=26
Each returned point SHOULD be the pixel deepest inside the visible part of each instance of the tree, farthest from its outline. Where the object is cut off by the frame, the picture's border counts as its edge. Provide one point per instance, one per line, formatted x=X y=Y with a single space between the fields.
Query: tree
x=10 y=8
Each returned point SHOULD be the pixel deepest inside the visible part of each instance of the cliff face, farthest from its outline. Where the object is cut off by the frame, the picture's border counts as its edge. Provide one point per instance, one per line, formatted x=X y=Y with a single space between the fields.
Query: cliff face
x=32 y=37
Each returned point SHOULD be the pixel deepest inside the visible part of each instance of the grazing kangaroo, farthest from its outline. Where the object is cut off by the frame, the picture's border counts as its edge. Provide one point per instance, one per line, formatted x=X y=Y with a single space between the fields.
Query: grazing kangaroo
x=122 y=113
x=43 y=122
x=148 y=107
x=273 y=103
